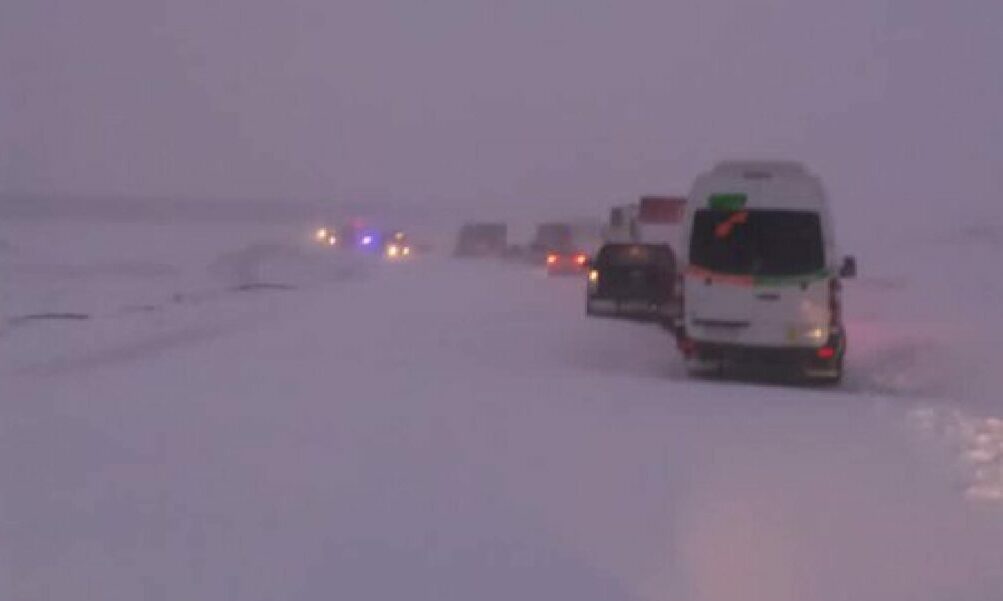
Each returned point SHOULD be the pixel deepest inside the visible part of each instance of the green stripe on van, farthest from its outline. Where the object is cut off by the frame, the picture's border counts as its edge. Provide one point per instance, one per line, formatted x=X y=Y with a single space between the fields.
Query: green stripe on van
x=727 y=202
x=791 y=280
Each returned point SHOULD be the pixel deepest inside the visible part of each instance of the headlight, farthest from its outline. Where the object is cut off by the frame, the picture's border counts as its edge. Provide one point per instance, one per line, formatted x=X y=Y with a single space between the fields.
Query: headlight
x=321 y=234
x=406 y=251
x=594 y=276
x=393 y=250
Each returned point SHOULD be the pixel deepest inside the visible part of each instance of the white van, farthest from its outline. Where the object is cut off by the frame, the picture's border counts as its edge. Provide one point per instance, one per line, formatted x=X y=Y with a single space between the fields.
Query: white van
x=761 y=283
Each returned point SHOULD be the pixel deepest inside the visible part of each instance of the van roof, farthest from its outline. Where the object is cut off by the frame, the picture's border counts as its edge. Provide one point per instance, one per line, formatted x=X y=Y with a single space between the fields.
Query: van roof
x=760 y=169
x=761 y=184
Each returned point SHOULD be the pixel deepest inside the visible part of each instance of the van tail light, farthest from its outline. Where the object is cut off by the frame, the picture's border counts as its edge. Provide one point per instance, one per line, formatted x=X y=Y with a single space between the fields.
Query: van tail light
x=826 y=352
x=686 y=345
x=677 y=292
x=835 y=306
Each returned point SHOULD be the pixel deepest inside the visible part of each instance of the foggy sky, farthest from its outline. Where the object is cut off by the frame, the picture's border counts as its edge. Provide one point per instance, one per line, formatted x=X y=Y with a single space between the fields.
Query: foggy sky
x=465 y=101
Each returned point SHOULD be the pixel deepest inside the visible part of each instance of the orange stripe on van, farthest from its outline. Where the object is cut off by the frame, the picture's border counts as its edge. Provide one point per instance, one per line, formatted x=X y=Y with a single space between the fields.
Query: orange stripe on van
x=746 y=281
x=749 y=281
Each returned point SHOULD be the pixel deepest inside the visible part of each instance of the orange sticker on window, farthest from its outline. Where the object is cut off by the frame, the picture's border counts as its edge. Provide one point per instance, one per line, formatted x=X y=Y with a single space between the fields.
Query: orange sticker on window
x=724 y=229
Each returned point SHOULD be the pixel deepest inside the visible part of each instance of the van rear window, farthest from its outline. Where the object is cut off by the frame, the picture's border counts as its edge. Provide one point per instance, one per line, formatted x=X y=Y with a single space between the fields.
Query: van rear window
x=757 y=242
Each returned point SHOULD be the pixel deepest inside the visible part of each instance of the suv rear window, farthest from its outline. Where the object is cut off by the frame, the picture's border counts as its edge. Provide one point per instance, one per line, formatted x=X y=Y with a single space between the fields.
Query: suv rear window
x=757 y=242
x=625 y=255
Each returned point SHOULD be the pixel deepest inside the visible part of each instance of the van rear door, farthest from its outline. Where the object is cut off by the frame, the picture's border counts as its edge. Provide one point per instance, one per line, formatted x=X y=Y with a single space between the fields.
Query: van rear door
x=757 y=277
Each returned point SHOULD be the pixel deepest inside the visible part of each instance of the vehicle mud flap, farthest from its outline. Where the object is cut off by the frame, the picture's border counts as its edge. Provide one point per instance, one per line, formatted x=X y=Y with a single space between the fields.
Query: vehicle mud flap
x=673 y=326
x=828 y=379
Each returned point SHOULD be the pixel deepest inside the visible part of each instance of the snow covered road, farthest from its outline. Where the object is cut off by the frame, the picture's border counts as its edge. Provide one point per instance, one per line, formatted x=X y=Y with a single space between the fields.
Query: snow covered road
x=450 y=430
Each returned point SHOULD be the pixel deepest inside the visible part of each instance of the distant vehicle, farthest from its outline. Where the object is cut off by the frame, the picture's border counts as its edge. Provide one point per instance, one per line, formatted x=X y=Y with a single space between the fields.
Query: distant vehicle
x=569 y=262
x=652 y=220
x=564 y=247
x=660 y=220
x=397 y=247
x=355 y=236
x=621 y=225
x=553 y=237
x=482 y=240
x=634 y=281
x=351 y=235
x=762 y=283
x=326 y=235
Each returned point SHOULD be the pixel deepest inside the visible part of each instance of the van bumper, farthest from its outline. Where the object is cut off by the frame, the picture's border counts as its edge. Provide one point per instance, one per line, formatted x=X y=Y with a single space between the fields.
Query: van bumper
x=806 y=361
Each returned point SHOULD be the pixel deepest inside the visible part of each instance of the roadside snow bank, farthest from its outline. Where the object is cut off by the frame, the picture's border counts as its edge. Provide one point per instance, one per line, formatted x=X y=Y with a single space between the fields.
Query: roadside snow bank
x=977 y=442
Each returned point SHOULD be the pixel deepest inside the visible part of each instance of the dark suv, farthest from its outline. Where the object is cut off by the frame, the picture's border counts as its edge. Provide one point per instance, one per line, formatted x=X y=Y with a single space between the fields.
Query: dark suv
x=635 y=281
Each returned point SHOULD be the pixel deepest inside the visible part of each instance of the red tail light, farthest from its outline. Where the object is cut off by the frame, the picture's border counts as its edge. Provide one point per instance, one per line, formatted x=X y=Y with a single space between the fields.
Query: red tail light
x=551 y=259
x=686 y=345
x=826 y=352
x=581 y=259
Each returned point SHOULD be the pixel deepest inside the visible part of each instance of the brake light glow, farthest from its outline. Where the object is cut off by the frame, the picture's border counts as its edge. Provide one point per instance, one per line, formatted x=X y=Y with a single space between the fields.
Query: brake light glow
x=686 y=345
x=826 y=352
x=551 y=259
x=581 y=259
